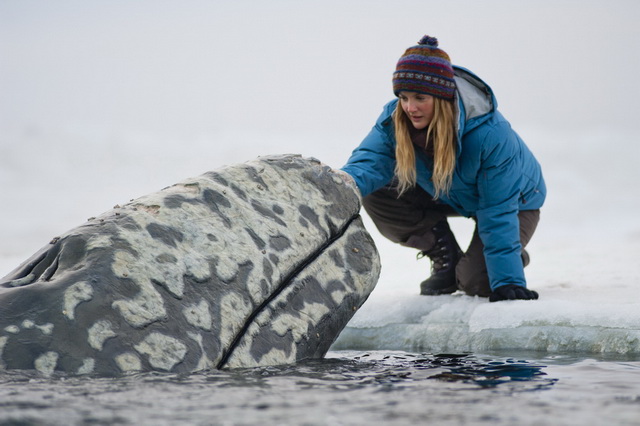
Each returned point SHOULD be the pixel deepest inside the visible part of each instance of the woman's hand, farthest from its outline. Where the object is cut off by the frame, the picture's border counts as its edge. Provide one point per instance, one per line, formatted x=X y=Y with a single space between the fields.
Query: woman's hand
x=512 y=292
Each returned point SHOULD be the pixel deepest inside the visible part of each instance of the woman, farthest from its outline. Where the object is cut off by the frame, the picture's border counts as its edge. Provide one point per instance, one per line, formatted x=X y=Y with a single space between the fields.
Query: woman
x=442 y=149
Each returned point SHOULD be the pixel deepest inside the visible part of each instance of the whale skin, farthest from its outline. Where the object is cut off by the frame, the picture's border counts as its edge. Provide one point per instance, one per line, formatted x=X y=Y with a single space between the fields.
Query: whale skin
x=253 y=264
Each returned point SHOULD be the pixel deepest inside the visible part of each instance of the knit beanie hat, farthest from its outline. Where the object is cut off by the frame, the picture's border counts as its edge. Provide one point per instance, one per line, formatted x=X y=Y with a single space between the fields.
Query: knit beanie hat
x=425 y=69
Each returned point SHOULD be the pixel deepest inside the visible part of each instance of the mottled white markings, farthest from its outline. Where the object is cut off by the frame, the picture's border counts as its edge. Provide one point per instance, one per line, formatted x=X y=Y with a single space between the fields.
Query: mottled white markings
x=99 y=333
x=277 y=356
x=196 y=265
x=99 y=241
x=252 y=210
x=44 y=328
x=87 y=366
x=235 y=310
x=46 y=363
x=226 y=268
x=248 y=226
x=164 y=352
x=145 y=308
x=147 y=305
x=198 y=315
x=128 y=361
x=151 y=263
x=74 y=295
x=204 y=363
x=299 y=325
x=273 y=357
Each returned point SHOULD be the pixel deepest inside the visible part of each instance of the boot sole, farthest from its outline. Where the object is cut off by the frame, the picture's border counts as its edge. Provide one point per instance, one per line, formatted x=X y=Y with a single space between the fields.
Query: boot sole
x=438 y=291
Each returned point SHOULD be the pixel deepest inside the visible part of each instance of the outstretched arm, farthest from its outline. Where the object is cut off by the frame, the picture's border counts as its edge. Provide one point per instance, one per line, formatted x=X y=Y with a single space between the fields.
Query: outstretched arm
x=498 y=225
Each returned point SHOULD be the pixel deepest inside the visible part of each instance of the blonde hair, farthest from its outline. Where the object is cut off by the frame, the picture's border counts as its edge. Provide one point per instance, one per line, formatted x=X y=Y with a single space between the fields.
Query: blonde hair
x=440 y=133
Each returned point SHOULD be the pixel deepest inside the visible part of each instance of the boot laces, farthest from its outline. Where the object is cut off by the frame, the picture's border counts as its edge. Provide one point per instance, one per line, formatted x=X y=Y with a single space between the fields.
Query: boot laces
x=439 y=255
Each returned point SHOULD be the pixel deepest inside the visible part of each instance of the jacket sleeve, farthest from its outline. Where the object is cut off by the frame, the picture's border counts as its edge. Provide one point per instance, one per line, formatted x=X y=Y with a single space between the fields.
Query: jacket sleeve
x=497 y=214
x=372 y=163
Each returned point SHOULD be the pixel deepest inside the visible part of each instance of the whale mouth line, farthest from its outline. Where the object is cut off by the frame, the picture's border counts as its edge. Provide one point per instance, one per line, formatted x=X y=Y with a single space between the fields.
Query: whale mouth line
x=286 y=281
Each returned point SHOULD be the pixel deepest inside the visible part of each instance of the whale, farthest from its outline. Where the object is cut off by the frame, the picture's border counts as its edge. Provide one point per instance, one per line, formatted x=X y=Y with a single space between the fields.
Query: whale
x=252 y=264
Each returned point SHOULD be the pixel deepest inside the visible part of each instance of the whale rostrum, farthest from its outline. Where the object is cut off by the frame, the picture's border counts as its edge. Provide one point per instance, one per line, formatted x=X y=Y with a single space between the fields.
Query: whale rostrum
x=253 y=264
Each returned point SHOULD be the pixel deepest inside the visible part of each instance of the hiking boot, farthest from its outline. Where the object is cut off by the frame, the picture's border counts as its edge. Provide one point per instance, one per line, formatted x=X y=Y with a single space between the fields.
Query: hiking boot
x=444 y=256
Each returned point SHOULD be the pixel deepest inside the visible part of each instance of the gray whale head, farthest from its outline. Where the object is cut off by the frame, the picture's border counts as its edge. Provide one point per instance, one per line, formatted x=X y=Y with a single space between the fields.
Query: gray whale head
x=253 y=264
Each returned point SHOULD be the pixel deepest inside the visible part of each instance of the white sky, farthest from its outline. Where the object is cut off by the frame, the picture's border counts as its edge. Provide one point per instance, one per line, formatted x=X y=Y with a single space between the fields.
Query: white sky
x=194 y=68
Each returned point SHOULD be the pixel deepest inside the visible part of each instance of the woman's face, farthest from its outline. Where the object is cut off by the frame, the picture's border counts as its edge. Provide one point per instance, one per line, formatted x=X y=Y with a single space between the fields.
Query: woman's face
x=418 y=107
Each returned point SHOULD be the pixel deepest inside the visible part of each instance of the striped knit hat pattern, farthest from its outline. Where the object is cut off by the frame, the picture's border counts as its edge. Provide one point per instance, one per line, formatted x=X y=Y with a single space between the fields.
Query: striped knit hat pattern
x=425 y=68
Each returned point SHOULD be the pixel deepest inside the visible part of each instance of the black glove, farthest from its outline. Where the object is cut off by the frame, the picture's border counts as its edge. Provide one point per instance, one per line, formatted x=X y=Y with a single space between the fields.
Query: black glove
x=512 y=292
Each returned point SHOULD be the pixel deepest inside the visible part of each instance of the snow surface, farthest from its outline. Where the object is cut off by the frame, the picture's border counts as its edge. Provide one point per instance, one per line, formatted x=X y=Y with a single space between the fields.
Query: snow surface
x=107 y=101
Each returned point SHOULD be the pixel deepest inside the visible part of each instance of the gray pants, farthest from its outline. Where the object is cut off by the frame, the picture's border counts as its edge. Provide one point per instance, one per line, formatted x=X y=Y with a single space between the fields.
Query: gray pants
x=408 y=221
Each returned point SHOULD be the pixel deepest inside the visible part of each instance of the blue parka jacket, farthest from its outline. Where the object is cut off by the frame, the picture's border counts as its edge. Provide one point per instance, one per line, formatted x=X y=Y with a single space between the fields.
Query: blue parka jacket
x=495 y=176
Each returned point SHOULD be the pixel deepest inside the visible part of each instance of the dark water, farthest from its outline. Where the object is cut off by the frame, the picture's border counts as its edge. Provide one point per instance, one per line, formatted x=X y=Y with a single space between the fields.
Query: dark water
x=347 y=388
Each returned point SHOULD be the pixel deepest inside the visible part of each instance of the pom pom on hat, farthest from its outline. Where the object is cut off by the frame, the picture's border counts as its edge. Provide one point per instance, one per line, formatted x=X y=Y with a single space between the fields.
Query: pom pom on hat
x=428 y=41
x=425 y=68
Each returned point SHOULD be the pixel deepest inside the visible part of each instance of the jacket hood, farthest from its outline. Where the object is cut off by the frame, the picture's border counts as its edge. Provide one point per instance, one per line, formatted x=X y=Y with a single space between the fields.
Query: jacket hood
x=475 y=98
